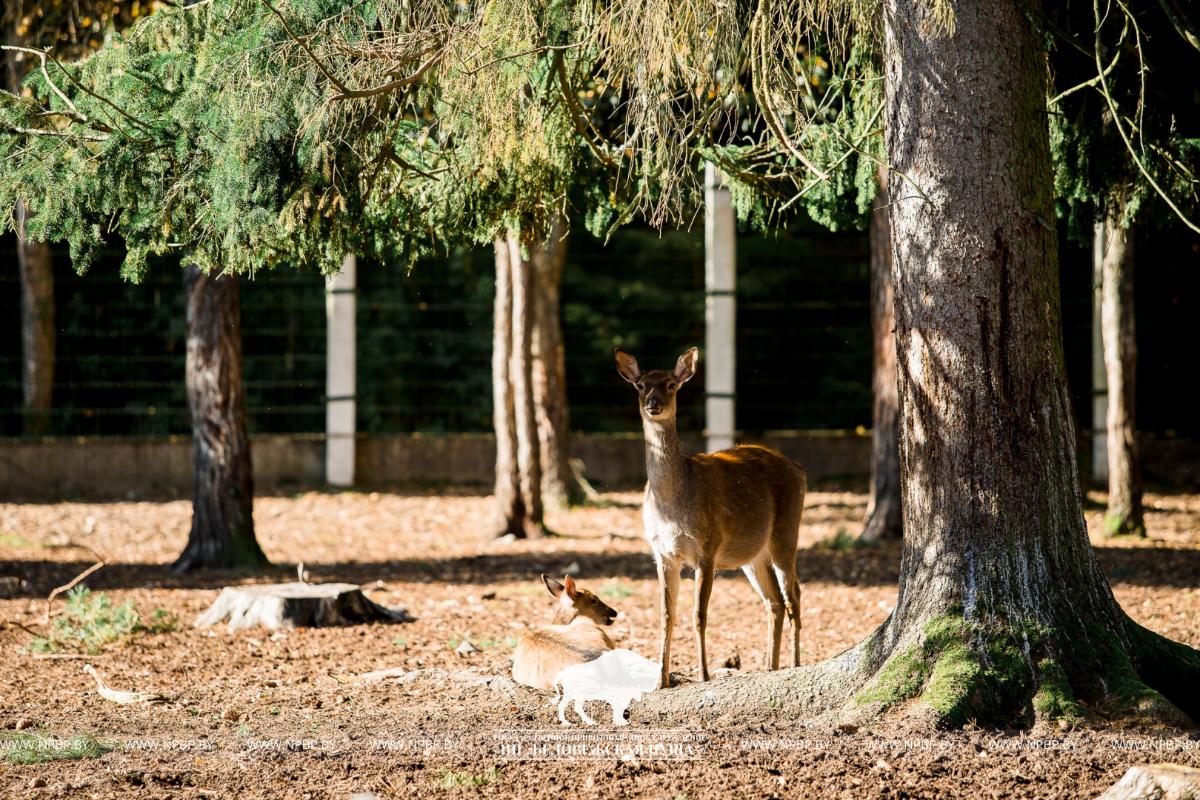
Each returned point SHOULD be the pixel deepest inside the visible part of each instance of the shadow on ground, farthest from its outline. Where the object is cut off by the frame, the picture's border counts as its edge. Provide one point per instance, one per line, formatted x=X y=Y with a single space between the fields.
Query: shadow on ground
x=871 y=566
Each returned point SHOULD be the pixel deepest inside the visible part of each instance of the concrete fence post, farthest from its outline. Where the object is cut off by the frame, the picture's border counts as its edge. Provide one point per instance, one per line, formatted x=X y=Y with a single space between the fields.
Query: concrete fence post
x=720 y=313
x=340 y=374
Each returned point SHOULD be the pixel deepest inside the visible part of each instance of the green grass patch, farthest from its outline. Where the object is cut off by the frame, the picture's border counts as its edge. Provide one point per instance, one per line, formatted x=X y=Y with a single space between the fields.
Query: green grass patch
x=161 y=621
x=615 y=590
x=15 y=541
x=468 y=780
x=841 y=542
x=90 y=621
x=32 y=747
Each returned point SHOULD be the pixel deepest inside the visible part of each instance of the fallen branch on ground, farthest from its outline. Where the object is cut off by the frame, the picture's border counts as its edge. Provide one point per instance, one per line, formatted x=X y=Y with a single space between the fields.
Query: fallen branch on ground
x=120 y=697
x=66 y=587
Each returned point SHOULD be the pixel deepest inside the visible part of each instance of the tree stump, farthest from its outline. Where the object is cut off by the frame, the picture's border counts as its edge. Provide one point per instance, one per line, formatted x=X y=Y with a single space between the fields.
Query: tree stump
x=1156 y=782
x=296 y=605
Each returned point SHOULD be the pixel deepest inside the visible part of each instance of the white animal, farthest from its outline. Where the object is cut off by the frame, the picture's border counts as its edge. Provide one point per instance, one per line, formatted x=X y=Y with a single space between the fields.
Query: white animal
x=617 y=677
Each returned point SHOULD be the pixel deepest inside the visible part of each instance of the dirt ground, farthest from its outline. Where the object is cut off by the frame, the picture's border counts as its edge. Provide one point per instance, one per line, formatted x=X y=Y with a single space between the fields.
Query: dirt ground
x=275 y=715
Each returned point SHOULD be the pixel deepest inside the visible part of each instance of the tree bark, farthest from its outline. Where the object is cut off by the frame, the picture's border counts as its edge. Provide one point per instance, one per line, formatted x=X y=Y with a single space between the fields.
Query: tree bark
x=883 y=519
x=1003 y=612
x=1125 y=514
x=520 y=372
x=559 y=486
x=37 y=328
x=36 y=264
x=510 y=506
x=222 y=533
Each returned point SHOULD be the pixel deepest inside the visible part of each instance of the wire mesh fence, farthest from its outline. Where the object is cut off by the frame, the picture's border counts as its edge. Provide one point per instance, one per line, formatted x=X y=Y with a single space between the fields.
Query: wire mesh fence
x=424 y=338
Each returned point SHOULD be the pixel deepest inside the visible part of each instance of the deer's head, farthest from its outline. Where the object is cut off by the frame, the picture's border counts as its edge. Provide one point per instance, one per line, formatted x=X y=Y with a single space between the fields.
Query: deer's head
x=575 y=602
x=656 y=388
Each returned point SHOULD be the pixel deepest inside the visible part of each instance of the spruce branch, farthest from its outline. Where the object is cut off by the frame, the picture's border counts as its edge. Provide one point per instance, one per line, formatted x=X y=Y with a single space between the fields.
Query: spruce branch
x=1116 y=115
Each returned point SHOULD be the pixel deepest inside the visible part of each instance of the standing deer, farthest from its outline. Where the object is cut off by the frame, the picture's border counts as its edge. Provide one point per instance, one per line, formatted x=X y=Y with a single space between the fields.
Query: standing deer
x=736 y=508
x=575 y=638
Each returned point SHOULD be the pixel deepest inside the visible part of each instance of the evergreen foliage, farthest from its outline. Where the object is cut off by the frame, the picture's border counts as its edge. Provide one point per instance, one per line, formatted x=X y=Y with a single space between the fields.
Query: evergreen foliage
x=243 y=134
x=1124 y=122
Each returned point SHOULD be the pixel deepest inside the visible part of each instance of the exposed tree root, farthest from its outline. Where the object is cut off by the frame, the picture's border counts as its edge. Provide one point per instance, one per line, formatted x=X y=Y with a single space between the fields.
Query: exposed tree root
x=807 y=690
x=1169 y=669
x=957 y=672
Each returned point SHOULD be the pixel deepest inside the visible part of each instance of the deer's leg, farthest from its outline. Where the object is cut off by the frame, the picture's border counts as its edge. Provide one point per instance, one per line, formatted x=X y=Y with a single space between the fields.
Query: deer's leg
x=668 y=584
x=782 y=550
x=704 y=582
x=790 y=585
x=762 y=578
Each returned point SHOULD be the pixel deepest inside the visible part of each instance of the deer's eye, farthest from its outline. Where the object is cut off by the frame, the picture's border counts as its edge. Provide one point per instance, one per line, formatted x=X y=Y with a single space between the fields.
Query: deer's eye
x=672 y=386
x=641 y=387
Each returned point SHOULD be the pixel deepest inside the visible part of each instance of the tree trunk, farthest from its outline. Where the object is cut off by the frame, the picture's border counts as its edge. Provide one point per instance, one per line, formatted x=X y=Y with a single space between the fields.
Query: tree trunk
x=1003 y=611
x=509 y=504
x=999 y=585
x=520 y=372
x=222 y=532
x=559 y=486
x=37 y=327
x=1125 y=515
x=36 y=264
x=883 y=519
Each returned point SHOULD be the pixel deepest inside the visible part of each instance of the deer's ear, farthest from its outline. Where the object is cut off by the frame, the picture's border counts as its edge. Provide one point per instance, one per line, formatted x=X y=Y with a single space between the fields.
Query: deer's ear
x=569 y=586
x=627 y=365
x=685 y=367
x=554 y=586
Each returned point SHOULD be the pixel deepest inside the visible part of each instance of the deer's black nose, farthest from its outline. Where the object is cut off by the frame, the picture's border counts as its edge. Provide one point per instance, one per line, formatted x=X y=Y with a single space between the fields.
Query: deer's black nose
x=654 y=405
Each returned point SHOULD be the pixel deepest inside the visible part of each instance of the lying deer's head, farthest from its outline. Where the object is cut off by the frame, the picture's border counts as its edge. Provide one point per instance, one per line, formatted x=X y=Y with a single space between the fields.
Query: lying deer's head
x=657 y=388
x=574 y=602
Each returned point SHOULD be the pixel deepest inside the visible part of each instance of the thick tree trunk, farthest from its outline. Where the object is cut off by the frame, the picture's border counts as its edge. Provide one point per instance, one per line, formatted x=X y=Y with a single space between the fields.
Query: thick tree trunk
x=520 y=372
x=996 y=551
x=1125 y=514
x=559 y=486
x=36 y=265
x=222 y=532
x=509 y=505
x=1003 y=611
x=883 y=519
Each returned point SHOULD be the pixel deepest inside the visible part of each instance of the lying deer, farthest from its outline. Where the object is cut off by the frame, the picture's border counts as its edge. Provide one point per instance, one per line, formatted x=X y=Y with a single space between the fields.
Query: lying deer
x=574 y=638
x=736 y=508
